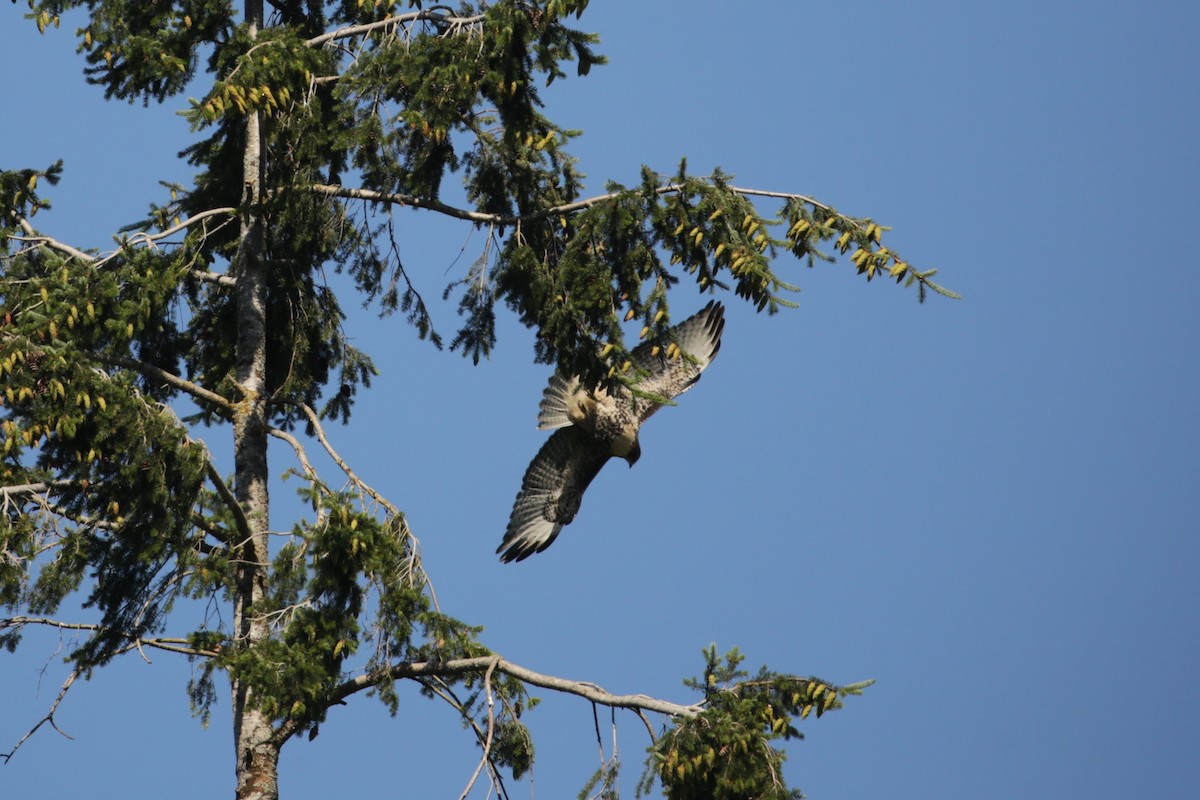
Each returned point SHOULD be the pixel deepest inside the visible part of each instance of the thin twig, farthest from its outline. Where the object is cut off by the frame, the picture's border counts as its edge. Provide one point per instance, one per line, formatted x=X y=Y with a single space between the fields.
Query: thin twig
x=48 y=718
x=315 y=421
x=491 y=727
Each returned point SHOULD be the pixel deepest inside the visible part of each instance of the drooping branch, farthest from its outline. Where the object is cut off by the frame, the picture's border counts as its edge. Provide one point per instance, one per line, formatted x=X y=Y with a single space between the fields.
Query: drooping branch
x=309 y=471
x=486 y=758
x=399 y=198
x=298 y=448
x=862 y=228
x=440 y=689
x=33 y=237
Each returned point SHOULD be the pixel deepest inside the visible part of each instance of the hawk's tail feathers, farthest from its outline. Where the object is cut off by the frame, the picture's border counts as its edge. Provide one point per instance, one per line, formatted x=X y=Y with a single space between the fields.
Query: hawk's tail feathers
x=552 y=413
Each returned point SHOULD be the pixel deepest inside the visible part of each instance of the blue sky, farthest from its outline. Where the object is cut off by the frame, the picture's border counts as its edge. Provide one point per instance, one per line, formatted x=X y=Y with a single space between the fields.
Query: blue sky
x=986 y=505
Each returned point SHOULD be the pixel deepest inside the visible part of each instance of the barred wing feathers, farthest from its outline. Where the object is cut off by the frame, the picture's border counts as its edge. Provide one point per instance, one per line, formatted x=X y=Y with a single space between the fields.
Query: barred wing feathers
x=699 y=336
x=594 y=427
x=551 y=491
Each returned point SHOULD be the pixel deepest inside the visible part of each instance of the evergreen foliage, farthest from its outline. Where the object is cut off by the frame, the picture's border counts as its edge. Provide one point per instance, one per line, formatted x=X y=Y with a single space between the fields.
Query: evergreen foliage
x=726 y=751
x=114 y=366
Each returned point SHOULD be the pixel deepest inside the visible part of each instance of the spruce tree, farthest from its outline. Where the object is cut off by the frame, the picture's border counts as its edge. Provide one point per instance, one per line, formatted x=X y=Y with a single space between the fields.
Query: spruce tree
x=312 y=112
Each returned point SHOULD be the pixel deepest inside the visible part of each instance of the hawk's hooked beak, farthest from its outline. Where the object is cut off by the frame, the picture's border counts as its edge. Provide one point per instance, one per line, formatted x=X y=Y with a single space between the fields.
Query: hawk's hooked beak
x=634 y=453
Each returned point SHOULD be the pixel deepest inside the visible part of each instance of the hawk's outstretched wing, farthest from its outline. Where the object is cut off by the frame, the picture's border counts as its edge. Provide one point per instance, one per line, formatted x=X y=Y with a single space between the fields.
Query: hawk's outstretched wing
x=552 y=490
x=552 y=411
x=699 y=336
x=594 y=426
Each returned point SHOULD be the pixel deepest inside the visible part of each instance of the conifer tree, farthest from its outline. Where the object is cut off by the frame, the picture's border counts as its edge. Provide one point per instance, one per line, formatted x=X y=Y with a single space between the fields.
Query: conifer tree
x=107 y=396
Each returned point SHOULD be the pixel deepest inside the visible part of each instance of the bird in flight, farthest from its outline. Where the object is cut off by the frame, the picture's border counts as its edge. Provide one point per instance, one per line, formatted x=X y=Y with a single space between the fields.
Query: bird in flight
x=594 y=426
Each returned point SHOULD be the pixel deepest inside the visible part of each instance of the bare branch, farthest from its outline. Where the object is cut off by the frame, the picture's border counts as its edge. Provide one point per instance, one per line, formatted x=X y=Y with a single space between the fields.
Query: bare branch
x=453 y=22
x=465 y=666
x=169 y=378
x=239 y=513
x=399 y=198
x=169 y=644
x=649 y=728
x=34 y=237
x=301 y=456
x=415 y=548
x=22 y=489
x=440 y=689
x=315 y=421
x=149 y=239
x=66 y=687
x=309 y=472
x=213 y=277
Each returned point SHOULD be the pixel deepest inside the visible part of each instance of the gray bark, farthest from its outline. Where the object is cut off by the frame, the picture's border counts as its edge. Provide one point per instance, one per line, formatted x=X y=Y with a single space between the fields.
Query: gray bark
x=256 y=748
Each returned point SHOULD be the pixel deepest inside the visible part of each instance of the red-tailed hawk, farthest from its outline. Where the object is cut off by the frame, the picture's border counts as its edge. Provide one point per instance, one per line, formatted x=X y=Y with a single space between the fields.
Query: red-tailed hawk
x=595 y=426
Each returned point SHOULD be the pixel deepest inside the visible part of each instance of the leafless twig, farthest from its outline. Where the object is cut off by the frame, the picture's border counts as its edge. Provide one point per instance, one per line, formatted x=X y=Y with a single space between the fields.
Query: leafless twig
x=49 y=718
x=491 y=728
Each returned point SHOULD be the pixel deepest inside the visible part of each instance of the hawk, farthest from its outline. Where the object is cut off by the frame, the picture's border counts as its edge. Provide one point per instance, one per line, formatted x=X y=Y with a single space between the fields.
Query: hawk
x=594 y=426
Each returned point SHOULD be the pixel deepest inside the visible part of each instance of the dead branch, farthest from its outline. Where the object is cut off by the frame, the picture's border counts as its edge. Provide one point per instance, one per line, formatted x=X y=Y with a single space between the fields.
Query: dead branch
x=414 y=560
x=452 y=22
x=315 y=421
x=169 y=378
x=465 y=666
x=170 y=644
x=34 y=237
x=49 y=718
x=399 y=198
x=231 y=502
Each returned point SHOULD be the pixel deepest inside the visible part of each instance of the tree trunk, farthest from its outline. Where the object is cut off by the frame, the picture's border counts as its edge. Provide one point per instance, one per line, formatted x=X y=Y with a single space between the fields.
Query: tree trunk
x=257 y=752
